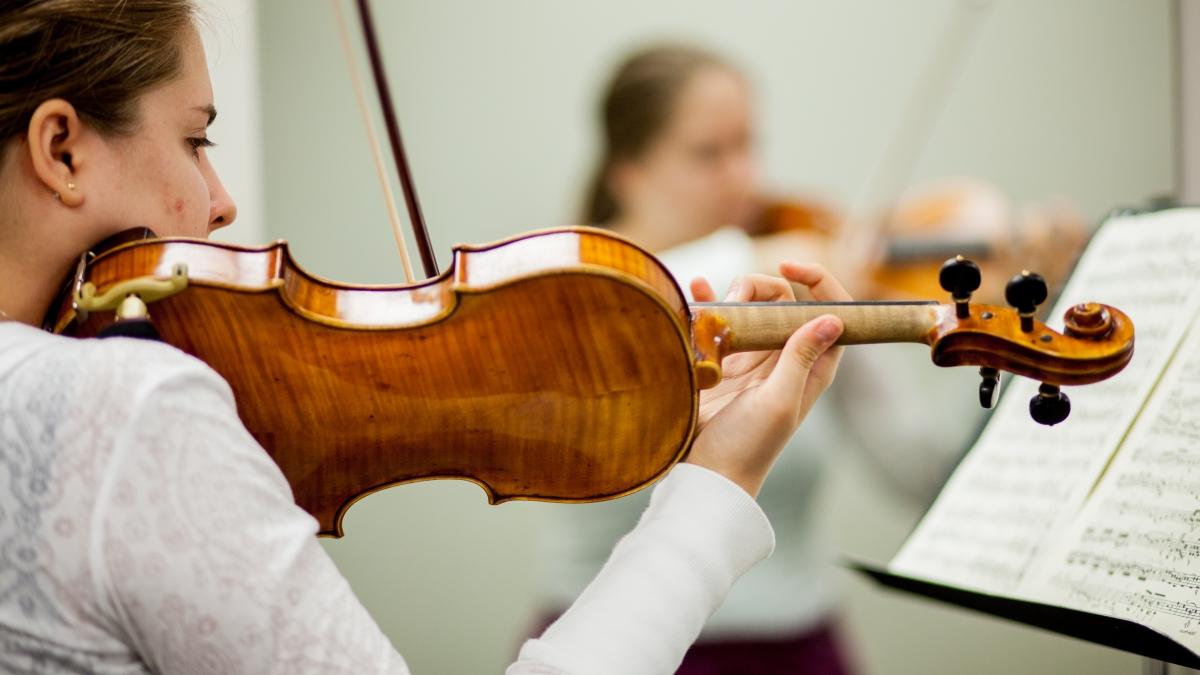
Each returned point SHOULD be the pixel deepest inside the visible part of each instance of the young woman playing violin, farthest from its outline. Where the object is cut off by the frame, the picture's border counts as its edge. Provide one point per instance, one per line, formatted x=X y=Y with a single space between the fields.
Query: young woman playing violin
x=144 y=530
x=678 y=173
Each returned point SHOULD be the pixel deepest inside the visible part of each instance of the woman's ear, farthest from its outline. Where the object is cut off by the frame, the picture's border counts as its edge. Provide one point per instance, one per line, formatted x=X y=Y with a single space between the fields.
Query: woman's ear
x=54 y=138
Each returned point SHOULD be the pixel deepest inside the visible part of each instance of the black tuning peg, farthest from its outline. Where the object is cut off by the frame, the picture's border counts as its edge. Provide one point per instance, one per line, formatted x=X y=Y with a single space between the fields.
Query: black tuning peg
x=989 y=389
x=1050 y=406
x=1025 y=292
x=960 y=278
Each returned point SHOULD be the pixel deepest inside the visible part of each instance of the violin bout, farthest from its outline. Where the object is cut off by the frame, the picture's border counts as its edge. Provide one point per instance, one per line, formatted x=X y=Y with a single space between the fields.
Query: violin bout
x=554 y=366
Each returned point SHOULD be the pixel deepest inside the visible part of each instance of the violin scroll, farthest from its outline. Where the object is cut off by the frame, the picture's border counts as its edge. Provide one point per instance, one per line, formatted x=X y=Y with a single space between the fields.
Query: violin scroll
x=1096 y=344
x=1088 y=320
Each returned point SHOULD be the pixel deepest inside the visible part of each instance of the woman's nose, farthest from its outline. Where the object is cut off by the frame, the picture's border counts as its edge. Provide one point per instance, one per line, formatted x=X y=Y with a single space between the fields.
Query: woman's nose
x=222 y=210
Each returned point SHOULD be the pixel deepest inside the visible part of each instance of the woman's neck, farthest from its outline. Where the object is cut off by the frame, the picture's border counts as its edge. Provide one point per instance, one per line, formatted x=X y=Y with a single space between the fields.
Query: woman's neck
x=35 y=243
x=35 y=257
x=26 y=291
x=654 y=237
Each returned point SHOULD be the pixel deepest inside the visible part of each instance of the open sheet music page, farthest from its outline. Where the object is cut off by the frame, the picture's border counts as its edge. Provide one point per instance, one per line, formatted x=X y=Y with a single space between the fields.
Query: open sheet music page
x=1021 y=488
x=1134 y=550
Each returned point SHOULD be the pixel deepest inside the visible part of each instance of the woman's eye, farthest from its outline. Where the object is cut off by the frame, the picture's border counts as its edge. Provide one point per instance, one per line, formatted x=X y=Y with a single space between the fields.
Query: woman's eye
x=199 y=142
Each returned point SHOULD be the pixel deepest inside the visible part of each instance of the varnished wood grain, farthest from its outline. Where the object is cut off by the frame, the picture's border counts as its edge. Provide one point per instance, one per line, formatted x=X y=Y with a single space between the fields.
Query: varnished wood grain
x=991 y=336
x=542 y=375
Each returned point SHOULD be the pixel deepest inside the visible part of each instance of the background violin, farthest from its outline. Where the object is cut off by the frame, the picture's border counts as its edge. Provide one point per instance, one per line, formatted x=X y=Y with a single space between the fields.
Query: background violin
x=897 y=255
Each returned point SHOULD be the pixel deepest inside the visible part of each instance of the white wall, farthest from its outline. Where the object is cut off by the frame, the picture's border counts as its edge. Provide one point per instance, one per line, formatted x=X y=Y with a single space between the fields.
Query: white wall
x=1188 y=110
x=497 y=98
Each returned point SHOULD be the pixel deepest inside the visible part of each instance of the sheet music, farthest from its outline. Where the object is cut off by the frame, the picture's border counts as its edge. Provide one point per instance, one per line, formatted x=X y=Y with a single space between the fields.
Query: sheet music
x=1134 y=549
x=1022 y=483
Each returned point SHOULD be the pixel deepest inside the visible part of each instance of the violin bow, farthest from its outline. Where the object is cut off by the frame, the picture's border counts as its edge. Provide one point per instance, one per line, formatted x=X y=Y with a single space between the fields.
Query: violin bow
x=912 y=133
x=407 y=185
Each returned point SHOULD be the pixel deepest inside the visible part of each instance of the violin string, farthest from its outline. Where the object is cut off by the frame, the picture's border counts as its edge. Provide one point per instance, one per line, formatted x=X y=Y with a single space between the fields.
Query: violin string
x=376 y=149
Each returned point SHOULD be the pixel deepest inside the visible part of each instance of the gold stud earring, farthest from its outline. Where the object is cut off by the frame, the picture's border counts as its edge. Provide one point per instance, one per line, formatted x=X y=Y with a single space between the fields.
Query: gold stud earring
x=70 y=186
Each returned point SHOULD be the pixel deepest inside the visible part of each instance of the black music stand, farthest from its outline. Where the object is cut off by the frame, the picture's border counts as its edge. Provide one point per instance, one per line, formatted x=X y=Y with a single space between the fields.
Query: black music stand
x=1129 y=636
x=1157 y=649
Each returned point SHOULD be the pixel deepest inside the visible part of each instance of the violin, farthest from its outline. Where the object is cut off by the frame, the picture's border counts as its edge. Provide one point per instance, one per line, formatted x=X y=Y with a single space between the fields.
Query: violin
x=560 y=365
x=928 y=225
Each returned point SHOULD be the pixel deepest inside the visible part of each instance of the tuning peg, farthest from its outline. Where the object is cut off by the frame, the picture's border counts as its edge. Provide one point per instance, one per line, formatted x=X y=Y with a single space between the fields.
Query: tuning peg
x=960 y=278
x=1050 y=406
x=989 y=388
x=1025 y=292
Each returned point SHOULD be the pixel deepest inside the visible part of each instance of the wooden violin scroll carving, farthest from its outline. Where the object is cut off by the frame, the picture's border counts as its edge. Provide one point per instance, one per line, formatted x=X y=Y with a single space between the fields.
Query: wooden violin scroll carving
x=1096 y=344
x=1088 y=320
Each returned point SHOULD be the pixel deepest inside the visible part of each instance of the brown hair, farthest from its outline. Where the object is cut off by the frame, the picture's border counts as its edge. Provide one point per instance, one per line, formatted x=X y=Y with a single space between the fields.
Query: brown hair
x=100 y=55
x=636 y=106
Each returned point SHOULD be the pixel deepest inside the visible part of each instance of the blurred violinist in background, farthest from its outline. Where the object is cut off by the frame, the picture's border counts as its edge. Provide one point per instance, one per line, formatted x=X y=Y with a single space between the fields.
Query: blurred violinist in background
x=678 y=174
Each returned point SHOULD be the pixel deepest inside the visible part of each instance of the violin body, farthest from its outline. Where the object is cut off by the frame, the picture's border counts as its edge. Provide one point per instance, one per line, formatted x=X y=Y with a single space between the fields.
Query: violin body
x=523 y=367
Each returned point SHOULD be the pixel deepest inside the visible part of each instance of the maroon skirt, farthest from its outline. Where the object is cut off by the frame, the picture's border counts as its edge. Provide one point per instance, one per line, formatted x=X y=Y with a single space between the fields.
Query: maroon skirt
x=816 y=651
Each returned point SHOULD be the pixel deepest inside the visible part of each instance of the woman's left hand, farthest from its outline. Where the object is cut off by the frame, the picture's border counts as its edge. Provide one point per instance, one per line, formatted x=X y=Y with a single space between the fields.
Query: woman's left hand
x=746 y=420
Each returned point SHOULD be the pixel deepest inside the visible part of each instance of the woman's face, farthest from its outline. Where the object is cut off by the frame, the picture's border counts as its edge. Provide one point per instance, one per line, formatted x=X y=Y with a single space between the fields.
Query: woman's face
x=700 y=173
x=66 y=186
x=159 y=176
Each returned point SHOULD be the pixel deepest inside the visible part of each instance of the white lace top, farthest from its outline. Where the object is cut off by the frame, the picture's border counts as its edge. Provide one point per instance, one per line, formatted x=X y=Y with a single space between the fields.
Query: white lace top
x=142 y=529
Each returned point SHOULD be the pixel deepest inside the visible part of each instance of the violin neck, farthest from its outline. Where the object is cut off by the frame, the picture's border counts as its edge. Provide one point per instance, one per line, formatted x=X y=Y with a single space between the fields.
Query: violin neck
x=756 y=326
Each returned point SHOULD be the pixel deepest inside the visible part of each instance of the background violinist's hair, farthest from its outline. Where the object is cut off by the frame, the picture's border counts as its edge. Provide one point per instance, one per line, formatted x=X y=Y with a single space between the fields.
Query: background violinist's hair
x=100 y=55
x=636 y=106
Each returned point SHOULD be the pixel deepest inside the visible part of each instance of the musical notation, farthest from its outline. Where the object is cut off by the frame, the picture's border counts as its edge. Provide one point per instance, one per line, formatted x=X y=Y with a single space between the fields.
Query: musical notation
x=1011 y=515
x=1166 y=544
x=1172 y=457
x=1133 y=551
x=1159 y=484
x=1153 y=514
x=1144 y=606
x=1098 y=563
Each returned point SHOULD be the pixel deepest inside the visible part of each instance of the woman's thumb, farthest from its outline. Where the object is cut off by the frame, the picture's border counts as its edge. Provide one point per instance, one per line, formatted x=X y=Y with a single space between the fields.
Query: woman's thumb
x=802 y=350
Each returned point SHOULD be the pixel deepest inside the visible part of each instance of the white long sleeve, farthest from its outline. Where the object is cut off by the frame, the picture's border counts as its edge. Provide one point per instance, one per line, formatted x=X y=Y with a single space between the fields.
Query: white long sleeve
x=150 y=533
x=646 y=607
